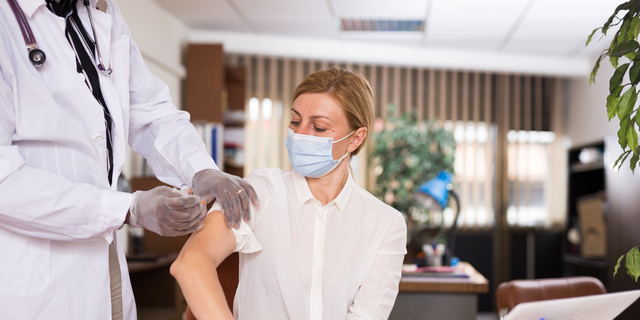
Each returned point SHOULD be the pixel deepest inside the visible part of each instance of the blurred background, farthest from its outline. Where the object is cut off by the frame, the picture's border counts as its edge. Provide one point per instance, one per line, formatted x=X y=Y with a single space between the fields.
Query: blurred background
x=499 y=88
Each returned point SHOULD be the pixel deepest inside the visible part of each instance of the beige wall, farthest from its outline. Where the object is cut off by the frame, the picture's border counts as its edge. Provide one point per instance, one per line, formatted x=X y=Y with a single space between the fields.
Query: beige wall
x=160 y=36
x=586 y=119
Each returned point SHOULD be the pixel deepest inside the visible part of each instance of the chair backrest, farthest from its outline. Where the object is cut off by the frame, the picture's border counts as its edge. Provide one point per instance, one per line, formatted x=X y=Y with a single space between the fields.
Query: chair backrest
x=512 y=293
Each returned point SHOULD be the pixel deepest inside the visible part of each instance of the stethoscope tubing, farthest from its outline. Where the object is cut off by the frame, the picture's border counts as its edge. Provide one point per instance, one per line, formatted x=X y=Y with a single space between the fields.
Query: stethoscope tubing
x=27 y=34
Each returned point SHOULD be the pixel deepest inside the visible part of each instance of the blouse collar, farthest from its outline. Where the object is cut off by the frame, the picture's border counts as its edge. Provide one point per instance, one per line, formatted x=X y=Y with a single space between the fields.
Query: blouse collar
x=304 y=193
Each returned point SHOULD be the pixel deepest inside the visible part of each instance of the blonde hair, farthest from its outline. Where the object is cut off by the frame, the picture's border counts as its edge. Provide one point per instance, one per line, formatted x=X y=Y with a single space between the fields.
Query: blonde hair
x=349 y=88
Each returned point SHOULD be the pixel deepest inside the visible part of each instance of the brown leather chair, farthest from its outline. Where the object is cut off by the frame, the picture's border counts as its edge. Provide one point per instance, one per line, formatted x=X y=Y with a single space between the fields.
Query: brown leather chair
x=512 y=293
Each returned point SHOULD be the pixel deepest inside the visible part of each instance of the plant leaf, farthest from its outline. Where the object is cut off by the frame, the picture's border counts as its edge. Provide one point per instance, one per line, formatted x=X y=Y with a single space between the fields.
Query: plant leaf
x=631 y=55
x=616 y=79
x=612 y=107
x=614 y=61
x=615 y=269
x=621 y=159
x=624 y=48
x=622 y=133
x=632 y=139
x=594 y=71
x=591 y=35
x=633 y=162
x=633 y=26
x=623 y=6
x=634 y=73
x=632 y=263
x=625 y=107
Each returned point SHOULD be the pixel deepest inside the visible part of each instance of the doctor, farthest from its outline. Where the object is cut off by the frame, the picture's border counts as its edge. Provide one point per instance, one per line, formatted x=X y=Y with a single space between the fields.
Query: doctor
x=65 y=123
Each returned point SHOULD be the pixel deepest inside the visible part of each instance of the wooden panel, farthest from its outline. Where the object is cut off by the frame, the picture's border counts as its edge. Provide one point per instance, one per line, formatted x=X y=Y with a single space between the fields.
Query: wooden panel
x=235 y=81
x=395 y=95
x=384 y=95
x=286 y=110
x=431 y=95
x=205 y=80
x=420 y=95
x=408 y=90
x=275 y=143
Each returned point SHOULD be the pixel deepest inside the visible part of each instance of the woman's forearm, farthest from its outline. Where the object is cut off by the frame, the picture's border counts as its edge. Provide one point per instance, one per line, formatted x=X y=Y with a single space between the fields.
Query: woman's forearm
x=201 y=287
x=195 y=268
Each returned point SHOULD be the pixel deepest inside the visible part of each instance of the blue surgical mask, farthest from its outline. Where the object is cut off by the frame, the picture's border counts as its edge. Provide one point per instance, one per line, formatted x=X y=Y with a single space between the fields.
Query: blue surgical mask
x=312 y=156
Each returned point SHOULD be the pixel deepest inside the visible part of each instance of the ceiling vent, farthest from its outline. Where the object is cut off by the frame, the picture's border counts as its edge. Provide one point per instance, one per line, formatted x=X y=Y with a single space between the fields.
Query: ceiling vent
x=367 y=25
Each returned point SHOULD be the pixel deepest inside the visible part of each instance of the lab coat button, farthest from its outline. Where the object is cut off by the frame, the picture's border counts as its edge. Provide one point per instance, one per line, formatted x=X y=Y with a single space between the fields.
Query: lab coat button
x=98 y=138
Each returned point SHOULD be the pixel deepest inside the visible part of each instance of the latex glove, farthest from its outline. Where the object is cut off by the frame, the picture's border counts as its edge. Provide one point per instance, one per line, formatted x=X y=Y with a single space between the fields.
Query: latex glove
x=166 y=211
x=230 y=191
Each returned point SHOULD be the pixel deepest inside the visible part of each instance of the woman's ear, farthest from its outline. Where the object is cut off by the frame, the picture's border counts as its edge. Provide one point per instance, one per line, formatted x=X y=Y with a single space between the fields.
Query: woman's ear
x=358 y=139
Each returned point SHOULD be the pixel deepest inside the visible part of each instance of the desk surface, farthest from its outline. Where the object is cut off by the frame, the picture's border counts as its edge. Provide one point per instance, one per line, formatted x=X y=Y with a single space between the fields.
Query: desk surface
x=136 y=266
x=476 y=283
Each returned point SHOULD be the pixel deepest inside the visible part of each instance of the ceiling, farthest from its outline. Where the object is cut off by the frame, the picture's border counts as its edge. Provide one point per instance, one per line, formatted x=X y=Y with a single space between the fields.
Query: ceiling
x=553 y=28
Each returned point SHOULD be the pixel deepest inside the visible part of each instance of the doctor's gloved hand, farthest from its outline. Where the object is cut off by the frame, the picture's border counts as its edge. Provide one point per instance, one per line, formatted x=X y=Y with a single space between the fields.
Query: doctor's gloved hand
x=230 y=191
x=166 y=211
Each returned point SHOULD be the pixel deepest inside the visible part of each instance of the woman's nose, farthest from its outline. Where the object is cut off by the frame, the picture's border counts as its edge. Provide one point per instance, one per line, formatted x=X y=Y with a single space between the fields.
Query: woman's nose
x=302 y=129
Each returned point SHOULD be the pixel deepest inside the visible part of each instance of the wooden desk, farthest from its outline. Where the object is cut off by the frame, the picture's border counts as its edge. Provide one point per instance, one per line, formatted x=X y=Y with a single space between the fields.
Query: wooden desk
x=440 y=298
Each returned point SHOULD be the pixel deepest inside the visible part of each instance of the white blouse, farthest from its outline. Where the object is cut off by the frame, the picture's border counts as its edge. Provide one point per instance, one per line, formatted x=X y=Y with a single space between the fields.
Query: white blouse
x=301 y=260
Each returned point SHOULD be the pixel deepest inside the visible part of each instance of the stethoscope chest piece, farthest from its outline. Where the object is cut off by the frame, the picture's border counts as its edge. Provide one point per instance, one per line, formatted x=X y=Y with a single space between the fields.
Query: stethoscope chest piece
x=37 y=57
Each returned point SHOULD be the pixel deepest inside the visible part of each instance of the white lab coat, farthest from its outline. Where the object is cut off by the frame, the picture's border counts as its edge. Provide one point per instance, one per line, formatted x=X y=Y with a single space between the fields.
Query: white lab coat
x=58 y=213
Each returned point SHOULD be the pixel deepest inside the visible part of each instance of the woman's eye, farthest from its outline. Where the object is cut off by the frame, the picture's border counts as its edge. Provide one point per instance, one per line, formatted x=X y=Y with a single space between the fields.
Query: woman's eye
x=295 y=123
x=320 y=129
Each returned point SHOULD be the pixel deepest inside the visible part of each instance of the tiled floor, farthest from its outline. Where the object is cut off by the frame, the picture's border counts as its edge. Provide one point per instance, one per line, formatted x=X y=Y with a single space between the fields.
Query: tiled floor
x=487 y=316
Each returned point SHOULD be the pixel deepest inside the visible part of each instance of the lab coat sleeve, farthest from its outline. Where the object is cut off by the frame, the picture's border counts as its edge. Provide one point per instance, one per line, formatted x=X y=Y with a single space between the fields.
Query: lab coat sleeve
x=157 y=129
x=377 y=294
x=41 y=204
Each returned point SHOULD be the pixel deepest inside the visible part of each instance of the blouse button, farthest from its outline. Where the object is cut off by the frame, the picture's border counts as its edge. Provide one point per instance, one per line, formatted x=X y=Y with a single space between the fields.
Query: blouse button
x=98 y=138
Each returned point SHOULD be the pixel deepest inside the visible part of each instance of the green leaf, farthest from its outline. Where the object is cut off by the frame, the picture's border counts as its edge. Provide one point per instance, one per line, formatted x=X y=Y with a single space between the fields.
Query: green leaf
x=614 y=61
x=632 y=263
x=591 y=36
x=625 y=106
x=622 y=133
x=612 y=107
x=634 y=73
x=621 y=159
x=632 y=32
x=594 y=71
x=616 y=79
x=623 y=6
x=624 y=48
x=633 y=162
x=631 y=55
x=615 y=270
x=632 y=139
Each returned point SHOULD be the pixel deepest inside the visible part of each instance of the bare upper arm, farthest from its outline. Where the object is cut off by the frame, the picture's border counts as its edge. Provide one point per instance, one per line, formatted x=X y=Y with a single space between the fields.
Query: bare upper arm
x=214 y=239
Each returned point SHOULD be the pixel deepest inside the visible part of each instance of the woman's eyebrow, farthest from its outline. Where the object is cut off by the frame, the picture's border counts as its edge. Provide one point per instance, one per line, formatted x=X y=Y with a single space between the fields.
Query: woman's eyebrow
x=312 y=117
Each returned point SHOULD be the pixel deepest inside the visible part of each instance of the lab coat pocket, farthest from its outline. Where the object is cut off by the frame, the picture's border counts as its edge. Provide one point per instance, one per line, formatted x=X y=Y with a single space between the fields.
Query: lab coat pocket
x=24 y=270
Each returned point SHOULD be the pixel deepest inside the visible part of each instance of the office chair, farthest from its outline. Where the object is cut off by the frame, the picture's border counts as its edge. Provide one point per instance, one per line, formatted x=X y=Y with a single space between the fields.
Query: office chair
x=510 y=294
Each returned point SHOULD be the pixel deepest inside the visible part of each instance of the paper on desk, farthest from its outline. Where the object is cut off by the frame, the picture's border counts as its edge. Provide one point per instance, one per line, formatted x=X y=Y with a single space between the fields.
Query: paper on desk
x=598 y=307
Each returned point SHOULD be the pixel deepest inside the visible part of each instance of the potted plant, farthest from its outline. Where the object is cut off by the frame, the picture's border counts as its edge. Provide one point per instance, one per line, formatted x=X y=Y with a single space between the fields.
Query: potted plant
x=624 y=55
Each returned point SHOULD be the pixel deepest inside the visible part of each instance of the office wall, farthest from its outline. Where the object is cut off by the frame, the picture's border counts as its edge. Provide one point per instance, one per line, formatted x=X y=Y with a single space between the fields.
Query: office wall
x=161 y=37
x=586 y=118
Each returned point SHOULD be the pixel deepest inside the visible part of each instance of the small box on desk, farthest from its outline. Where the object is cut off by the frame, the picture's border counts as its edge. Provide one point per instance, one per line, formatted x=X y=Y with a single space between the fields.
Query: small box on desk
x=593 y=227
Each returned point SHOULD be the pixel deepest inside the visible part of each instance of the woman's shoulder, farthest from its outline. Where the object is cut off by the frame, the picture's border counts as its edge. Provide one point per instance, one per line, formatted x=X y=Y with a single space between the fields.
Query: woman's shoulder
x=374 y=204
x=266 y=178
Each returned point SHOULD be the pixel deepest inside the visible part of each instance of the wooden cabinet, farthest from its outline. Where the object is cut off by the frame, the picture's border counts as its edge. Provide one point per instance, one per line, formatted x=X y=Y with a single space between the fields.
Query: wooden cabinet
x=585 y=179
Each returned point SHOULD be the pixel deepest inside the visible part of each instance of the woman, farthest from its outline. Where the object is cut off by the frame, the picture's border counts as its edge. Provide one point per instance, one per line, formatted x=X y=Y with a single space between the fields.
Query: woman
x=318 y=246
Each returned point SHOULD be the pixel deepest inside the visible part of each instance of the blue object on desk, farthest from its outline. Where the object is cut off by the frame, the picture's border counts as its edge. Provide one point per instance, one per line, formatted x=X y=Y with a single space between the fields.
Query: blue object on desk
x=438 y=188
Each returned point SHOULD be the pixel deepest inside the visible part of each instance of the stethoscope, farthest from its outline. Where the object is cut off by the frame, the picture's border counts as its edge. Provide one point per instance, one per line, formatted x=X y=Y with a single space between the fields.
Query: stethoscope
x=37 y=56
